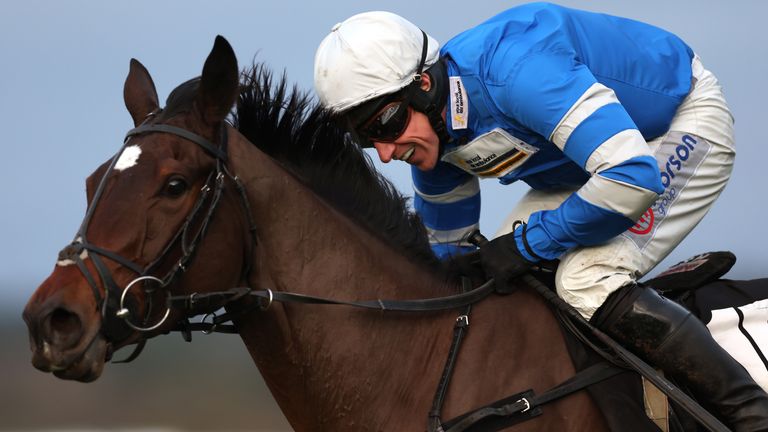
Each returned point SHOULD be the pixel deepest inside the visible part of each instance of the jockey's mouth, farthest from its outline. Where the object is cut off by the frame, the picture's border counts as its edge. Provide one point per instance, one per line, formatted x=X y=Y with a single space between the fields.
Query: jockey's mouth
x=408 y=153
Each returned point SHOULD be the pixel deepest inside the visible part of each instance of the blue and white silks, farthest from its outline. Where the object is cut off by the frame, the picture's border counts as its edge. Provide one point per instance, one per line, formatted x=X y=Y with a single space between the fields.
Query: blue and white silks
x=555 y=97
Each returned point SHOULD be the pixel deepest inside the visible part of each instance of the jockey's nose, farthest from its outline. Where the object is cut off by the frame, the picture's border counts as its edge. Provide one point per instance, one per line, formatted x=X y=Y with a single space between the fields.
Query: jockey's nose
x=386 y=151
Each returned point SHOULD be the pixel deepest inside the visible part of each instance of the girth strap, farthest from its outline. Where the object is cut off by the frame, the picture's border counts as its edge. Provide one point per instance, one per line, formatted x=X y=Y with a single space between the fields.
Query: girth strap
x=527 y=403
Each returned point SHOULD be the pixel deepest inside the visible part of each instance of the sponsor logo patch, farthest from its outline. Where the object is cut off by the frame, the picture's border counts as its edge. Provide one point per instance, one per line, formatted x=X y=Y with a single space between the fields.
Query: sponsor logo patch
x=678 y=157
x=459 y=104
x=492 y=154
x=645 y=224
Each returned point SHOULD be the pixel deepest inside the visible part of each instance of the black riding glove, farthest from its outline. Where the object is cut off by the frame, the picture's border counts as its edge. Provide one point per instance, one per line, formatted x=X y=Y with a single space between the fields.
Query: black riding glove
x=502 y=261
x=468 y=265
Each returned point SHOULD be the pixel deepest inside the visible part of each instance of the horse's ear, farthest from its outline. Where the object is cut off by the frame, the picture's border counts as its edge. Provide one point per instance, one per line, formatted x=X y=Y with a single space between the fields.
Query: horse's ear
x=139 y=92
x=219 y=84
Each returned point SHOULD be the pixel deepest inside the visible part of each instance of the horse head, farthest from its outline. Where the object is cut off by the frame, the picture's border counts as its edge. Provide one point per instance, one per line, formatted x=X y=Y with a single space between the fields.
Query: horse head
x=149 y=209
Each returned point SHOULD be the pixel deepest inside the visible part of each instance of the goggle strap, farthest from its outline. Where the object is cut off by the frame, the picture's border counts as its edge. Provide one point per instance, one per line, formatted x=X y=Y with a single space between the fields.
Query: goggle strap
x=419 y=69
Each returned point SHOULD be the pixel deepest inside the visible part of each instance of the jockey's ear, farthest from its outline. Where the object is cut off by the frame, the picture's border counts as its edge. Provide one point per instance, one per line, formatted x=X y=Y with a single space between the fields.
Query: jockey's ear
x=219 y=84
x=426 y=82
x=139 y=93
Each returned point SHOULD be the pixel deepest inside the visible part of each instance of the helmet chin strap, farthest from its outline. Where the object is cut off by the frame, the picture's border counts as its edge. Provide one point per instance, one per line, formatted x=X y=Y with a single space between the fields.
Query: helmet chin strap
x=431 y=102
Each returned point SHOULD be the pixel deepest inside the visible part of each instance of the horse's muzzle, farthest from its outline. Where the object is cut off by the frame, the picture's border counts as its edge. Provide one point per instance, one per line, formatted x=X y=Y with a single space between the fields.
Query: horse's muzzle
x=64 y=334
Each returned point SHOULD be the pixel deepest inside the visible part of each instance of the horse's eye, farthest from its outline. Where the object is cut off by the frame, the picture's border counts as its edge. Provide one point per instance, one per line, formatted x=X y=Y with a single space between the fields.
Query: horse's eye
x=175 y=187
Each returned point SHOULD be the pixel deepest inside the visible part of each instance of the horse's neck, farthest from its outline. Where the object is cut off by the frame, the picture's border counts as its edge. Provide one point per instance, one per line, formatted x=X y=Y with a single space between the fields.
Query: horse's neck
x=335 y=362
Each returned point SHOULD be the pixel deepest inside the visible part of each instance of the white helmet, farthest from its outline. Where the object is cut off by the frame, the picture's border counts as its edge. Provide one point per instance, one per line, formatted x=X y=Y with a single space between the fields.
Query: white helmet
x=369 y=55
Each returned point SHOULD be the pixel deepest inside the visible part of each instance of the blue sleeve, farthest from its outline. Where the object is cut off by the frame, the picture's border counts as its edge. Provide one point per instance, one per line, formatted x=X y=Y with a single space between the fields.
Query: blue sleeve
x=448 y=201
x=446 y=251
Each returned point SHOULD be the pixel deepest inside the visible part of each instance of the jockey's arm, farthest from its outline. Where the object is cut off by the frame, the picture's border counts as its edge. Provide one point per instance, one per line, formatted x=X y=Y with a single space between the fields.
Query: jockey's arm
x=448 y=201
x=560 y=99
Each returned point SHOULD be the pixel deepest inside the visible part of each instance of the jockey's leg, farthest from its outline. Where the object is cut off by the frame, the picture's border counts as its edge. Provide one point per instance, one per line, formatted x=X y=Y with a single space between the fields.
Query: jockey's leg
x=695 y=159
x=672 y=339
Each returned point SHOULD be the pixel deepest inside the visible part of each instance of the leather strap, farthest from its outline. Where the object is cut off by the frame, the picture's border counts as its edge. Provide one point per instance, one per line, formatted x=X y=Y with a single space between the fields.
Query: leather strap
x=197 y=139
x=459 y=330
x=527 y=402
x=214 y=300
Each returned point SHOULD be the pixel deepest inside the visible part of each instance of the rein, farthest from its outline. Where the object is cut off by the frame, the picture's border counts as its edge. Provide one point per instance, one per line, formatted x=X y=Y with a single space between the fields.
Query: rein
x=208 y=303
x=204 y=303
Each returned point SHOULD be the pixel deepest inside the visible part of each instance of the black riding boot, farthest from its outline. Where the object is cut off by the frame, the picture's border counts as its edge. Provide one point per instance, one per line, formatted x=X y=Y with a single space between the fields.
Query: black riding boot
x=672 y=339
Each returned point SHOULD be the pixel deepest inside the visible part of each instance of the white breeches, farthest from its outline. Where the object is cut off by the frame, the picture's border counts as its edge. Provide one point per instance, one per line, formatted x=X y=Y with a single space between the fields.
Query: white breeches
x=695 y=158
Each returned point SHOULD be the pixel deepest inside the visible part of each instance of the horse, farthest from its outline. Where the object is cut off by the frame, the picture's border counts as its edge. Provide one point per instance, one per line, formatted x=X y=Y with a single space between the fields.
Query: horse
x=276 y=196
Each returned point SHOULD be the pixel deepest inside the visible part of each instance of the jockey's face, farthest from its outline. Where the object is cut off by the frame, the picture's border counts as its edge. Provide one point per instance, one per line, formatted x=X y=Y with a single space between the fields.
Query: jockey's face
x=418 y=145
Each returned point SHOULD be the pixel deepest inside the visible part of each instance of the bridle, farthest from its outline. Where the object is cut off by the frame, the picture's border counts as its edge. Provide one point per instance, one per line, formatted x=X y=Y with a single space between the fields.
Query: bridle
x=115 y=305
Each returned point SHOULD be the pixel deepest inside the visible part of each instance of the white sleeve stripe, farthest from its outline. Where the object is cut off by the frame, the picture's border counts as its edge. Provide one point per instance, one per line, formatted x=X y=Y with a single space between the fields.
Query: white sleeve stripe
x=463 y=191
x=624 y=198
x=625 y=145
x=456 y=236
x=595 y=97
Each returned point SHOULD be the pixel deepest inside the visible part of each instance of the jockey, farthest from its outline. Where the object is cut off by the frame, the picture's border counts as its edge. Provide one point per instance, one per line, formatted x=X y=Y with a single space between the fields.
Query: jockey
x=623 y=136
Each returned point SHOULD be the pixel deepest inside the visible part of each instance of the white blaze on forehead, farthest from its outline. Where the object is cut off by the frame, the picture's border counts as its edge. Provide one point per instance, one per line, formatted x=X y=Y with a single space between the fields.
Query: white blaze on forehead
x=128 y=158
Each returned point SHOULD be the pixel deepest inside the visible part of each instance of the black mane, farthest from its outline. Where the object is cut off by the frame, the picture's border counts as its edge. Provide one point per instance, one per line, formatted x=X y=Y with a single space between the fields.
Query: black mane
x=291 y=128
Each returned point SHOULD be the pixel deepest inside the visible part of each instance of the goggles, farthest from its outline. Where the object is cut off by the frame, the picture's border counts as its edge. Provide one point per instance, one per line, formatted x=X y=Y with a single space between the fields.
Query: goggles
x=388 y=124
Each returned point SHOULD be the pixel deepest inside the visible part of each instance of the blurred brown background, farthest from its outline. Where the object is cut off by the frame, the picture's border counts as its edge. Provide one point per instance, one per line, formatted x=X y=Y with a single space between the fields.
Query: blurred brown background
x=210 y=384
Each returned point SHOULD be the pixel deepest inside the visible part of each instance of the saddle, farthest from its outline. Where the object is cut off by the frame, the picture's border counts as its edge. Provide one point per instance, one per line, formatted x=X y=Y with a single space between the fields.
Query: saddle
x=697 y=285
x=681 y=281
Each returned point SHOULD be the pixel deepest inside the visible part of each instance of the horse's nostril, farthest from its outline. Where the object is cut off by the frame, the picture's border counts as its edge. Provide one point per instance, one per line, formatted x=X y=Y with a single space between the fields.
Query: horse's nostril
x=63 y=328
